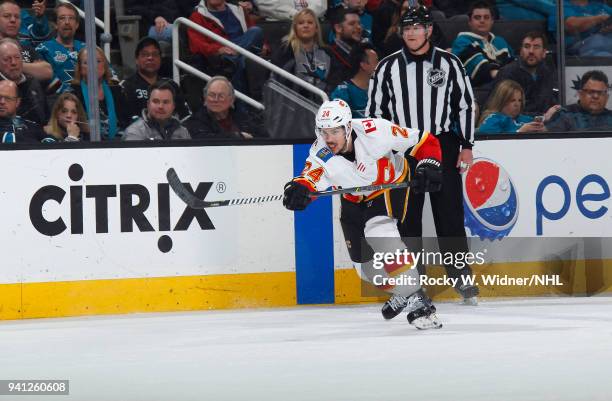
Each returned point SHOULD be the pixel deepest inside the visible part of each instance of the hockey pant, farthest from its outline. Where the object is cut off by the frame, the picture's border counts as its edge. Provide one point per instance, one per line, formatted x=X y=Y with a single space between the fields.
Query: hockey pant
x=370 y=228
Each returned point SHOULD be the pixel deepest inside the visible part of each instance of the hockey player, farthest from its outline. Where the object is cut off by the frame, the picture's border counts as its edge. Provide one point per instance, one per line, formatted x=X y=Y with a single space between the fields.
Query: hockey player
x=358 y=152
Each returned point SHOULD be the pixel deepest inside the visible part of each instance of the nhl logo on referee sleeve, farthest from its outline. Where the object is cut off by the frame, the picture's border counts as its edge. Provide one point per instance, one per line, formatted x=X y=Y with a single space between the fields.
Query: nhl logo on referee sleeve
x=436 y=77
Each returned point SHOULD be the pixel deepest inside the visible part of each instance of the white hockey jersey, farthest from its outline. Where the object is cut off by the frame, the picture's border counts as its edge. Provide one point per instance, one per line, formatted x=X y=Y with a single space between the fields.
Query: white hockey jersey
x=377 y=157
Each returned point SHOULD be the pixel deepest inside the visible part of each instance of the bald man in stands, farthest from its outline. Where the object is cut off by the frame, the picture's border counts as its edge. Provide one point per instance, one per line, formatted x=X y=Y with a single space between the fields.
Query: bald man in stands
x=13 y=129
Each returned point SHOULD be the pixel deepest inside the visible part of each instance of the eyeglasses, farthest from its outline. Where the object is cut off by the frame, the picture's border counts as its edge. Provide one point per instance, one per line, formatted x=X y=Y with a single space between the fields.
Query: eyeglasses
x=216 y=96
x=8 y=99
x=594 y=93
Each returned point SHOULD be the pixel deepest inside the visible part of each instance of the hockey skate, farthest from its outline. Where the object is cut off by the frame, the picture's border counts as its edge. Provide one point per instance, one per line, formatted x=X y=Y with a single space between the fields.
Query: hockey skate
x=469 y=293
x=422 y=313
x=394 y=306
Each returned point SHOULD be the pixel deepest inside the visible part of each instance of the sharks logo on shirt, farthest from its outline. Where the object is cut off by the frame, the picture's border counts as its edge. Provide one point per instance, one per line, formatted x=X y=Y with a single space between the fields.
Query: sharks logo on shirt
x=60 y=57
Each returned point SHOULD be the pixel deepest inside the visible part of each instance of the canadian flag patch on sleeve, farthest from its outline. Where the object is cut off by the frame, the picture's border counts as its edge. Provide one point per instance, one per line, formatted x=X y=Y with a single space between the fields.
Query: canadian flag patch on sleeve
x=369 y=126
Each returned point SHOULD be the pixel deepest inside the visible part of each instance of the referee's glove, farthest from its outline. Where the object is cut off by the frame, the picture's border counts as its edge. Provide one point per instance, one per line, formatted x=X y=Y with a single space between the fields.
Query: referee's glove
x=296 y=196
x=427 y=176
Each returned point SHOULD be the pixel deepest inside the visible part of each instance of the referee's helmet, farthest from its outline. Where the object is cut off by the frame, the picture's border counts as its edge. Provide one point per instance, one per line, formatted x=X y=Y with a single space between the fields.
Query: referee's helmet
x=416 y=16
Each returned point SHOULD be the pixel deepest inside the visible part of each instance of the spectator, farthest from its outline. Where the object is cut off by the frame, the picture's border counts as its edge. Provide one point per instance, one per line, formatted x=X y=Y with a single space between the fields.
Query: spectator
x=157 y=16
x=13 y=128
x=230 y=22
x=62 y=51
x=285 y=10
x=526 y=10
x=113 y=108
x=158 y=121
x=217 y=119
x=503 y=112
x=588 y=28
x=590 y=113
x=34 y=27
x=33 y=104
x=10 y=23
x=302 y=51
x=354 y=91
x=67 y=118
x=348 y=34
x=531 y=72
x=136 y=87
x=385 y=18
x=481 y=52
x=364 y=17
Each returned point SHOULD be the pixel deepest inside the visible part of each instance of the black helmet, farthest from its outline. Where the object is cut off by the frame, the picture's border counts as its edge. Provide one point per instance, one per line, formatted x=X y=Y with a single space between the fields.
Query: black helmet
x=416 y=15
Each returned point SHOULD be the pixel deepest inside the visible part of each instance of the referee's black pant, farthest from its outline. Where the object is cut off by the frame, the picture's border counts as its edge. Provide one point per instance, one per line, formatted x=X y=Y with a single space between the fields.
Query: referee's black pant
x=447 y=208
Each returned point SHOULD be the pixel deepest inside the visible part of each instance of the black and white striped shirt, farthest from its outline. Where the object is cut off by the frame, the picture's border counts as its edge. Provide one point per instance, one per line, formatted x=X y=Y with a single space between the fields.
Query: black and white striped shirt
x=430 y=92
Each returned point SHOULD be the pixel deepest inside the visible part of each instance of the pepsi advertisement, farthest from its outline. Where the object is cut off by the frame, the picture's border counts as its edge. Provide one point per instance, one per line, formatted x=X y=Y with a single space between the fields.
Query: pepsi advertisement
x=539 y=188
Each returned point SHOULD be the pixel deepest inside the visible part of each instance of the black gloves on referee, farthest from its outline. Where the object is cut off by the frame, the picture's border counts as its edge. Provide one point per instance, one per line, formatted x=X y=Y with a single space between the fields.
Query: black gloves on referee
x=427 y=176
x=296 y=196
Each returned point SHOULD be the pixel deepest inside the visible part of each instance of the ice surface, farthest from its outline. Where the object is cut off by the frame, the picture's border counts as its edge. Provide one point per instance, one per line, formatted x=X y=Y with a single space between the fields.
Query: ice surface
x=528 y=349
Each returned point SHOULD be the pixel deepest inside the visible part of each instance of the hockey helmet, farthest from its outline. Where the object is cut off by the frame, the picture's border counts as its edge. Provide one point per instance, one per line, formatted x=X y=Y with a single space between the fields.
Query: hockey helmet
x=332 y=114
x=419 y=15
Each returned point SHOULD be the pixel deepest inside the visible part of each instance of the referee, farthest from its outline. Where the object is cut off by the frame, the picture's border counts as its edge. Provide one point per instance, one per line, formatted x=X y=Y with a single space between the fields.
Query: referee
x=425 y=87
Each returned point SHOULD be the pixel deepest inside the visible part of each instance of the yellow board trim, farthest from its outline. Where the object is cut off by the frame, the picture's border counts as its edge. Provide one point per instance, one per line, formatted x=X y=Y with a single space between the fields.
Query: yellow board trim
x=348 y=289
x=160 y=294
x=164 y=294
x=10 y=301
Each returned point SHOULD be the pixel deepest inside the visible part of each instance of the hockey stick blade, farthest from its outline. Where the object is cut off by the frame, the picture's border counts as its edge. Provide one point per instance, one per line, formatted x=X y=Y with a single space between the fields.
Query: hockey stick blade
x=196 y=203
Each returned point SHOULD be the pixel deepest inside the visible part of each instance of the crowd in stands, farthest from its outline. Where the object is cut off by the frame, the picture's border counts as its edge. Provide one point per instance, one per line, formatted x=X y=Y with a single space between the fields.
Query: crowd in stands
x=334 y=45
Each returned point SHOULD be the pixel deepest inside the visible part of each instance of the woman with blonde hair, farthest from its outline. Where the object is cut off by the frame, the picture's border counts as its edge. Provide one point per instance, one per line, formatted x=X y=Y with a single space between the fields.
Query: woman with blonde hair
x=68 y=122
x=503 y=112
x=113 y=107
x=302 y=50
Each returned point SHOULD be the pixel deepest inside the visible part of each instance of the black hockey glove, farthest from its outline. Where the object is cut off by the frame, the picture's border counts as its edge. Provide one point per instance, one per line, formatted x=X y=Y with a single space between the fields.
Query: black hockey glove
x=296 y=196
x=427 y=176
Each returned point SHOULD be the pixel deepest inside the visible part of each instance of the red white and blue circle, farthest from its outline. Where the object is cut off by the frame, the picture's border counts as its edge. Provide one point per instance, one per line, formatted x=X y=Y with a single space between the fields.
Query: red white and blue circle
x=490 y=201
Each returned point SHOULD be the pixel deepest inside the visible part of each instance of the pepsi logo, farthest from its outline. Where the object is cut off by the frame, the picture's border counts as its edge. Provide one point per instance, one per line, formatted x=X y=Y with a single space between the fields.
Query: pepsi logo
x=490 y=202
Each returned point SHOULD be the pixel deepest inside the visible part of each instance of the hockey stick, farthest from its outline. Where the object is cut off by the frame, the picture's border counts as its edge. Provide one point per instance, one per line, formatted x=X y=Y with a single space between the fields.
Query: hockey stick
x=196 y=203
